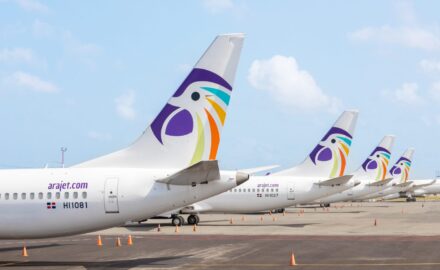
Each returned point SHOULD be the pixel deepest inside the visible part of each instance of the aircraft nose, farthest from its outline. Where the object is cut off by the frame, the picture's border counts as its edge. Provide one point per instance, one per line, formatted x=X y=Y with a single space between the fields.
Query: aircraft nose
x=241 y=177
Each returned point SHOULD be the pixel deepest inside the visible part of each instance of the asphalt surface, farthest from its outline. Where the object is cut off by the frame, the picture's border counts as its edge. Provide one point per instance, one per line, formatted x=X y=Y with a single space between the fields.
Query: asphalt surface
x=219 y=249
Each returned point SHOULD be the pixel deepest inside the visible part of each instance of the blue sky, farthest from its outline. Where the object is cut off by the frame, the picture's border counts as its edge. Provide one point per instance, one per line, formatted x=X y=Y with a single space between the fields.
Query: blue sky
x=91 y=75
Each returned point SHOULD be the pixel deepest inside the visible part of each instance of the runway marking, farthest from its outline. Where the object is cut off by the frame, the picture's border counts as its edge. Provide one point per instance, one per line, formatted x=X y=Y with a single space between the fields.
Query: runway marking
x=314 y=264
x=8 y=264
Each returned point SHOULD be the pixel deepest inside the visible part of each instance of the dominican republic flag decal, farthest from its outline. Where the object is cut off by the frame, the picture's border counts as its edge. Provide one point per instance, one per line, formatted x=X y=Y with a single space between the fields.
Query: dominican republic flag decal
x=51 y=205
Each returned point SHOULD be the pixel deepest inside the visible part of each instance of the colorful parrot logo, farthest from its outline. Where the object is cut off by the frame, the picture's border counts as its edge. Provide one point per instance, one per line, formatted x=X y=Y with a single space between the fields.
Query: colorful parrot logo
x=200 y=101
x=378 y=161
x=334 y=147
x=402 y=167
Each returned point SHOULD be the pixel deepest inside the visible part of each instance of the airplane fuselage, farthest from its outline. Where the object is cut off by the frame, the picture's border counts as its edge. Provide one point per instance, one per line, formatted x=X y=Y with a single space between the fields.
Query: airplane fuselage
x=262 y=193
x=55 y=202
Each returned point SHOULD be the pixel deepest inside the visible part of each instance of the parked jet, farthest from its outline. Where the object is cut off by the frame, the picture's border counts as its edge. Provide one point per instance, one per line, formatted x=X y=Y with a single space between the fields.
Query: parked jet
x=400 y=173
x=372 y=175
x=419 y=188
x=321 y=174
x=171 y=165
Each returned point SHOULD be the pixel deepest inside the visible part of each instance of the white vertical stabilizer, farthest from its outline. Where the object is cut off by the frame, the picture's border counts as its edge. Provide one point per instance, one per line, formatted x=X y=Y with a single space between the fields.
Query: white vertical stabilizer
x=375 y=167
x=188 y=128
x=329 y=158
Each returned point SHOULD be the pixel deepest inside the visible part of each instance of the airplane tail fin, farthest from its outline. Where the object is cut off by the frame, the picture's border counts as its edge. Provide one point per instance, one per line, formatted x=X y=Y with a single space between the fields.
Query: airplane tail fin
x=329 y=157
x=188 y=128
x=376 y=165
x=401 y=168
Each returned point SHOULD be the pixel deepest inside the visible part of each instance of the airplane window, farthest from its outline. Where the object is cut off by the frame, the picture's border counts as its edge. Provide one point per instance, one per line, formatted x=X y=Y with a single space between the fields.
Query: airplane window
x=249 y=190
x=267 y=190
x=271 y=190
x=258 y=190
x=235 y=190
x=75 y=195
x=276 y=190
x=58 y=195
x=49 y=195
x=84 y=195
x=40 y=195
x=0 y=195
x=6 y=196
x=32 y=195
x=23 y=196
x=15 y=196
x=253 y=190
x=66 y=195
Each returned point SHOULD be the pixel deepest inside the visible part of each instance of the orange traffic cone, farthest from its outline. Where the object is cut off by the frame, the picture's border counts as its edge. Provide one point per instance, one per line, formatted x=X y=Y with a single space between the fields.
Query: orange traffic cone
x=194 y=228
x=158 y=228
x=177 y=229
x=118 y=242
x=99 y=241
x=130 y=240
x=24 y=251
x=292 y=259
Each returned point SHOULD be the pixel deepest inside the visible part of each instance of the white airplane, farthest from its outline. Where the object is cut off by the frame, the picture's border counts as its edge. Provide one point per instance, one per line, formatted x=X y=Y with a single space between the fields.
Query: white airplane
x=372 y=175
x=419 y=188
x=423 y=188
x=321 y=174
x=171 y=165
x=400 y=173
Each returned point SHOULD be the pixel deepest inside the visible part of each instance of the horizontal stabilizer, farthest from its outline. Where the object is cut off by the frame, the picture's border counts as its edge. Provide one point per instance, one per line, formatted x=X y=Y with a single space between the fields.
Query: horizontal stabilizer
x=259 y=169
x=202 y=171
x=424 y=185
x=380 y=183
x=335 y=181
x=405 y=184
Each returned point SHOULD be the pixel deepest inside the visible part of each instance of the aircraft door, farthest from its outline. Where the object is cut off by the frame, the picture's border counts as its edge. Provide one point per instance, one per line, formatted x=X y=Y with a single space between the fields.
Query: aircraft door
x=290 y=191
x=111 y=195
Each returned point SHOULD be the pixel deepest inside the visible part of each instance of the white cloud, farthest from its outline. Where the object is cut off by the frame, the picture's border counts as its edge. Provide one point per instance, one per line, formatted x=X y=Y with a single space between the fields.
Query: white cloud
x=409 y=36
x=42 y=29
x=32 y=82
x=281 y=77
x=99 y=136
x=216 y=6
x=410 y=33
x=124 y=105
x=16 y=55
x=32 y=5
x=408 y=94
x=85 y=52
x=430 y=65
x=434 y=91
x=76 y=46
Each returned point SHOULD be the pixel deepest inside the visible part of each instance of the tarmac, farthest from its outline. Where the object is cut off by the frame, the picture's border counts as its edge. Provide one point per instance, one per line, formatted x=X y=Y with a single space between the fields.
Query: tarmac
x=392 y=235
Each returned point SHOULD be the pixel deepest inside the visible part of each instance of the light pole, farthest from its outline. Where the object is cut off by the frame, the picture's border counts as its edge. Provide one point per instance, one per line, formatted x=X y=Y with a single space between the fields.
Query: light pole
x=63 y=150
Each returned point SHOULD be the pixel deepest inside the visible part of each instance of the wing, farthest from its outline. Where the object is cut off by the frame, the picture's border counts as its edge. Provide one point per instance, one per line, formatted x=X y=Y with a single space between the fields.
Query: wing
x=202 y=171
x=335 y=181
x=380 y=183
